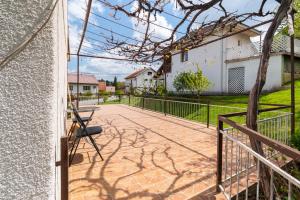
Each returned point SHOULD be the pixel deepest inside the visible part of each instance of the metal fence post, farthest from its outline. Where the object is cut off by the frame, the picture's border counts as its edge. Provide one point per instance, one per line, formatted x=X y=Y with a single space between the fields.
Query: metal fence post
x=165 y=107
x=64 y=166
x=207 y=114
x=98 y=98
x=119 y=98
x=219 y=155
x=143 y=98
x=129 y=100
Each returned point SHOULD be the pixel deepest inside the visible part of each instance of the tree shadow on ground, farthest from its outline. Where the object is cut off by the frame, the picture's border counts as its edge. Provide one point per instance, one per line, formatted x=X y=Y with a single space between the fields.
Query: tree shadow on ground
x=136 y=140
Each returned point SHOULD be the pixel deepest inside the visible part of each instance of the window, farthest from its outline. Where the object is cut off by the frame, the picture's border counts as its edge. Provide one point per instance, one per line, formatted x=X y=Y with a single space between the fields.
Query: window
x=149 y=73
x=184 y=56
x=94 y=86
x=146 y=80
x=239 y=42
x=86 y=87
x=71 y=87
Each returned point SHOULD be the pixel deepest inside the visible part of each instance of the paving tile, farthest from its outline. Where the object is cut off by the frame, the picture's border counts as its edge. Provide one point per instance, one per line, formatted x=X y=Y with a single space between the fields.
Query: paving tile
x=146 y=156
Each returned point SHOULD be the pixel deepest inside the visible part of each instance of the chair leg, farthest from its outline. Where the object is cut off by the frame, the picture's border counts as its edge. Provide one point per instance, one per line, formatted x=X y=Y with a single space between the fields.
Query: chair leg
x=72 y=156
x=70 y=133
x=96 y=147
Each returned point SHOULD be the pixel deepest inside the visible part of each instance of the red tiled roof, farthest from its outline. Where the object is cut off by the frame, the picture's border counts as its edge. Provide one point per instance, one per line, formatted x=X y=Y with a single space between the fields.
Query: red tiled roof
x=135 y=74
x=83 y=78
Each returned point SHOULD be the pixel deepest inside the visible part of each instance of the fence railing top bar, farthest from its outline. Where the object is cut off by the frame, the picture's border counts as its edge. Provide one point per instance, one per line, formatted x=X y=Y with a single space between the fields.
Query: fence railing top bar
x=279 y=107
x=275 y=168
x=205 y=101
x=263 y=120
x=275 y=117
x=223 y=106
x=185 y=102
x=194 y=103
x=284 y=149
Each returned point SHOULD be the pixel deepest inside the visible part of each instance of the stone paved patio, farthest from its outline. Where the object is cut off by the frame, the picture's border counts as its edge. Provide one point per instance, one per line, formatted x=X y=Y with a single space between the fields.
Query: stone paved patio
x=146 y=156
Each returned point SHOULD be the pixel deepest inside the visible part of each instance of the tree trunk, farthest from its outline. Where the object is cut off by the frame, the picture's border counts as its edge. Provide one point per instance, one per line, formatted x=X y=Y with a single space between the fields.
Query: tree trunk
x=252 y=111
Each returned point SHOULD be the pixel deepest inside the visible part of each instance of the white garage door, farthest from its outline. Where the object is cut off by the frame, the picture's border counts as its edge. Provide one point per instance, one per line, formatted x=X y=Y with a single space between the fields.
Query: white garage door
x=236 y=80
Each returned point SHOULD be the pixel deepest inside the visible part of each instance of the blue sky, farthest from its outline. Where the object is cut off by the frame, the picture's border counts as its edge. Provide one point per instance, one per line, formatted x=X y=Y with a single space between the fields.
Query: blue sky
x=100 y=28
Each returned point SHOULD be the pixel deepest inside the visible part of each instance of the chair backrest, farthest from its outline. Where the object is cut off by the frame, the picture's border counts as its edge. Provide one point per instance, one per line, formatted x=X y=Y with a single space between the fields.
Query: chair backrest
x=78 y=118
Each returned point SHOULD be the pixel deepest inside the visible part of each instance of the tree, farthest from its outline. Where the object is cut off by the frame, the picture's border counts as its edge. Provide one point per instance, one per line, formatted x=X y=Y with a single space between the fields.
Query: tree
x=251 y=118
x=145 y=13
x=161 y=90
x=115 y=83
x=189 y=81
x=121 y=85
x=284 y=31
x=149 y=47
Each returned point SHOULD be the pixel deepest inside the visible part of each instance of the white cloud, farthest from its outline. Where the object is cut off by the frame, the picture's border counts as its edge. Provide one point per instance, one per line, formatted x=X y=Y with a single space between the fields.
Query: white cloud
x=76 y=11
x=107 y=68
x=154 y=29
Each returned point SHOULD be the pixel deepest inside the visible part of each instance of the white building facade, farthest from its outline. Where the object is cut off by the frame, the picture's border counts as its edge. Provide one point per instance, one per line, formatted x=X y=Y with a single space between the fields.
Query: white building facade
x=87 y=83
x=230 y=64
x=34 y=43
x=141 y=80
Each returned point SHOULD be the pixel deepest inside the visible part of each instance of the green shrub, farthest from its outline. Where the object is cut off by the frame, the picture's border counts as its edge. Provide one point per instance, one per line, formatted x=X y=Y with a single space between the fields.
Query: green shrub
x=87 y=94
x=190 y=81
x=119 y=92
x=103 y=93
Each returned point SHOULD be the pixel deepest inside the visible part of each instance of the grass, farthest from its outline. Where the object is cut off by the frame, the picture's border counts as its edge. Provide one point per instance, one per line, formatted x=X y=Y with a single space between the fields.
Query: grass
x=200 y=113
x=279 y=97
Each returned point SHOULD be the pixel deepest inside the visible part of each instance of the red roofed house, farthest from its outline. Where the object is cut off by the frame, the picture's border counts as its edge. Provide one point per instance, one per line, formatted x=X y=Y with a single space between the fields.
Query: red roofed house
x=102 y=85
x=140 y=80
x=87 y=83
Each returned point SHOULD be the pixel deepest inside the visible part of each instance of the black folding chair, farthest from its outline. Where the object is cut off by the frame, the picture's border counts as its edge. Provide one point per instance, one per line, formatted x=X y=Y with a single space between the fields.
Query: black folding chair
x=85 y=120
x=82 y=132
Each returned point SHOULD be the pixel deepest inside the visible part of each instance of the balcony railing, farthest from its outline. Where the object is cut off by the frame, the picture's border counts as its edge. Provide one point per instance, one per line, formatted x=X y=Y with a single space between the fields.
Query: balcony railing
x=239 y=166
x=281 y=43
x=204 y=112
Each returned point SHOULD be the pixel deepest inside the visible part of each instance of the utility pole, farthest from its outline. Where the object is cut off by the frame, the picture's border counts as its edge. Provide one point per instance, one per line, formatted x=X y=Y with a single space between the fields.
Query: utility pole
x=292 y=38
x=87 y=15
x=77 y=102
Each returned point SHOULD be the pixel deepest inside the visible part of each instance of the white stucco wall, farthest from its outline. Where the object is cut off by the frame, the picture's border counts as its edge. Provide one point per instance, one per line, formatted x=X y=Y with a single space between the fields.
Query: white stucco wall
x=143 y=80
x=234 y=51
x=274 y=74
x=94 y=88
x=209 y=60
x=32 y=99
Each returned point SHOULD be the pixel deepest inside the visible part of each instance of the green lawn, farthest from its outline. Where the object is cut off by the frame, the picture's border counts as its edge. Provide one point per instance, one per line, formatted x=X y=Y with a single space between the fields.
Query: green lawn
x=192 y=112
x=279 y=97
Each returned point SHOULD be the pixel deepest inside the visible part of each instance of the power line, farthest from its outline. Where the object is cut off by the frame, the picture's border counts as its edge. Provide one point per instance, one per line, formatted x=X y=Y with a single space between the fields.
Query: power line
x=108 y=43
x=87 y=14
x=108 y=30
x=133 y=28
x=100 y=48
x=106 y=37
x=170 y=29
x=109 y=58
x=170 y=14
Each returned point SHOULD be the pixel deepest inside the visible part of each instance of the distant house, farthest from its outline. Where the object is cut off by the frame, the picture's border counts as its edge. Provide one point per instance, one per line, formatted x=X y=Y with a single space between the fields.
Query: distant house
x=111 y=89
x=87 y=83
x=102 y=85
x=140 y=80
x=231 y=63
